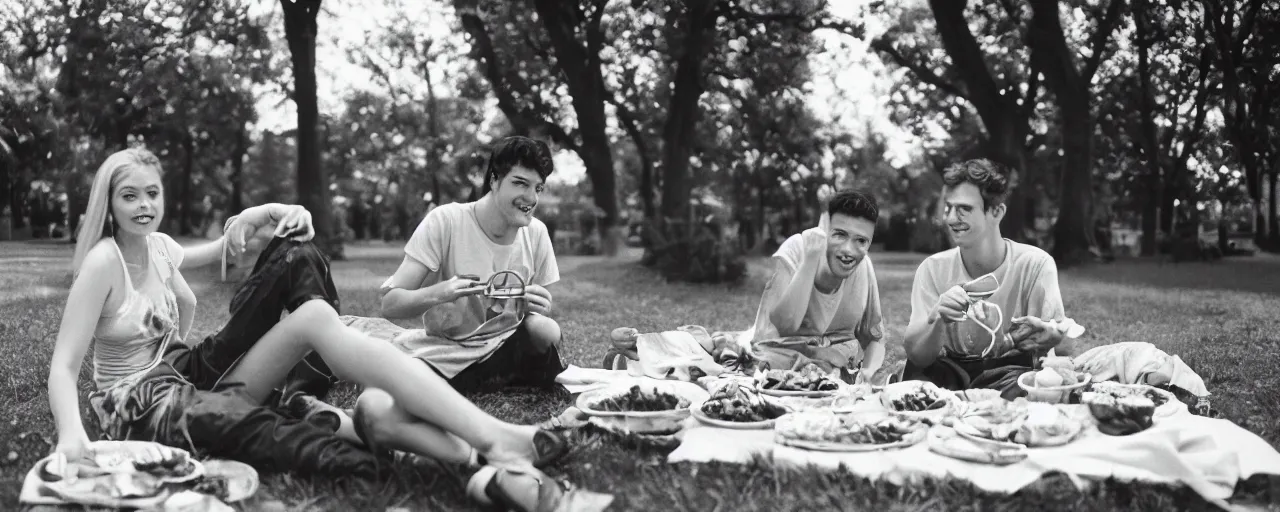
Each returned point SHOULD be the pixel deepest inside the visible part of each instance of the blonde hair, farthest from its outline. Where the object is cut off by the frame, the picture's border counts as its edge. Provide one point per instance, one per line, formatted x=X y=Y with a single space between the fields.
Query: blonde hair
x=95 y=222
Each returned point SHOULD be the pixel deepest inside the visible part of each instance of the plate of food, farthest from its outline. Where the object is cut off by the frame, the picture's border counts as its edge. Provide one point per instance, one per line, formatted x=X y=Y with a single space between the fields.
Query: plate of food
x=166 y=463
x=1031 y=424
x=824 y=430
x=852 y=398
x=1165 y=402
x=1053 y=385
x=947 y=442
x=643 y=408
x=738 y=407
x=917 y=399
x=809 y=381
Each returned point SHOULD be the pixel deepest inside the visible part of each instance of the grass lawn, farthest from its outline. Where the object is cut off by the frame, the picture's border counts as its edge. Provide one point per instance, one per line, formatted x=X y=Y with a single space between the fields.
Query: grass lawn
x=1221 y=318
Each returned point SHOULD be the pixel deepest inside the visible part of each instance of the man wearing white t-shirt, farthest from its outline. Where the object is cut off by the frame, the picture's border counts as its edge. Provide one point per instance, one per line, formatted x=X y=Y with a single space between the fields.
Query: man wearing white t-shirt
x=472 y=339
x=822 y=304
x=945 y=341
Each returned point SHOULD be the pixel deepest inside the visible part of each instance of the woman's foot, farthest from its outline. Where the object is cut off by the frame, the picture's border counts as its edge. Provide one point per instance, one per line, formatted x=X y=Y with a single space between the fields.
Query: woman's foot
x=527 y=447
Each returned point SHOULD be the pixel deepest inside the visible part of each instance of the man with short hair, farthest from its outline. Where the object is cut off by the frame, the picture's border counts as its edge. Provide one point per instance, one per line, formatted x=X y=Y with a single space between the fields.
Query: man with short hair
x=472 y=338
x=822 y=304
x=946 y=341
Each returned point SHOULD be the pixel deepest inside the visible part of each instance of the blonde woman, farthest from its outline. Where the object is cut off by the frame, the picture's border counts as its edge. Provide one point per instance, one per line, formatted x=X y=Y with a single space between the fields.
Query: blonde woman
x=130 y=302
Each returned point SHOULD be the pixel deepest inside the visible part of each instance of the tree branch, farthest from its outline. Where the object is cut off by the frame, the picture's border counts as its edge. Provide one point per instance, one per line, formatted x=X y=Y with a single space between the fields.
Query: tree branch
x=921 y=71
x=484 y=53
x=1099 y=40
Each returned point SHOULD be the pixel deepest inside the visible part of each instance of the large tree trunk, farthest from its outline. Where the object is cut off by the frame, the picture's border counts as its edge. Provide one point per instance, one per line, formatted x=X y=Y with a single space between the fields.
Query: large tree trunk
x=1003 y=120
x=683 y=113
x=1148 y=141
x=235 y=203
x=313 y=185
x=1006 y=147
x=581 y=67
x=1073 y=232
x=1273 y=231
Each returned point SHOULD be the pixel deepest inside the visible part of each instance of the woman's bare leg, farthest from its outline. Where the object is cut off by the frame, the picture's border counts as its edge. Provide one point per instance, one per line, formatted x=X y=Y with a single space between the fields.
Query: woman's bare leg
x=356 y=357
x=386 y=424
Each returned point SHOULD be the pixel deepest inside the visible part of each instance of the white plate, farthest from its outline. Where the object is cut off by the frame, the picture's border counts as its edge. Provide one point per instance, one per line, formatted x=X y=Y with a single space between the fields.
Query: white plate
x=119 y=457
x=1170 y=407
x=910 y=439
x=968 y=432
x=805 y=394
x=947 y=442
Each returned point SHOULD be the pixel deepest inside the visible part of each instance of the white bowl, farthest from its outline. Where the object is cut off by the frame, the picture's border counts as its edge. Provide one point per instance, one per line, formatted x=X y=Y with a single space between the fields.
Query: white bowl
x=1051 y=394
x=643 y=422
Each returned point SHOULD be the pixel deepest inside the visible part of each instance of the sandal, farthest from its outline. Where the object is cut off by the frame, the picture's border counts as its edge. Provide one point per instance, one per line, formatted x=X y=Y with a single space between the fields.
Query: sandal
x=548 y=448
x=490 y=487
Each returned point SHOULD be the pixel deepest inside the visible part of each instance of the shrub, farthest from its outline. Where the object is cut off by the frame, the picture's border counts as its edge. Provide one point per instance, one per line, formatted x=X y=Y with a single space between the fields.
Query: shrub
x=695 y=253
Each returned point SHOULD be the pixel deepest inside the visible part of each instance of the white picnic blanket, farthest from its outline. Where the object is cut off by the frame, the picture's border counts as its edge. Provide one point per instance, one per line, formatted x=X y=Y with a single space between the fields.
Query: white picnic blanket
x=1208 y=455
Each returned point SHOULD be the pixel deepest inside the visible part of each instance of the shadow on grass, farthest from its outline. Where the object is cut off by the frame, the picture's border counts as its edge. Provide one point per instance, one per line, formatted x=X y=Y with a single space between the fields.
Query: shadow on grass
x=1256 y=274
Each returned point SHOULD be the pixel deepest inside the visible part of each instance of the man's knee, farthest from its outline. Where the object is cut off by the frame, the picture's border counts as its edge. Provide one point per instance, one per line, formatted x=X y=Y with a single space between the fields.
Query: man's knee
x=375 y=416
x=544 y=332
x=315 y=314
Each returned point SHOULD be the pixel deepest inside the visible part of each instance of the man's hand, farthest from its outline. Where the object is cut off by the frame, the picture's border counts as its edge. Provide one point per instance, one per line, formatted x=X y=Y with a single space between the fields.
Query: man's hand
x=1030 y=334
x=456 y=288
x=815 y=243
x=539 y=299
x=296 y=225
x=952 y=306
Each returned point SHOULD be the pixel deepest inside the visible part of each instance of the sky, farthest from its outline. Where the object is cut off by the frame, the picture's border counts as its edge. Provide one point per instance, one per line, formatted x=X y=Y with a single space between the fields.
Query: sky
x=850 y=85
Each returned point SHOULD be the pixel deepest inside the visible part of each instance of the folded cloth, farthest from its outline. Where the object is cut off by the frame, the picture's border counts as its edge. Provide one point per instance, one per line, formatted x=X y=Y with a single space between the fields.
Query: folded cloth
x=108 y=478
x=672 y=354
x=576 y=379
x=829 y=352
x=1134 y=362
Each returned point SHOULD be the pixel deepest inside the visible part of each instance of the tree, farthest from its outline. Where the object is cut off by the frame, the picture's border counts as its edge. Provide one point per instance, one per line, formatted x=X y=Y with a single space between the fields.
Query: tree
x=1070 y=85
x=1245 y=36
x=1171 y=62
x=300 y=29
x=118 y=80
x=996 y=82
x=578 y=60
x=1021 y=49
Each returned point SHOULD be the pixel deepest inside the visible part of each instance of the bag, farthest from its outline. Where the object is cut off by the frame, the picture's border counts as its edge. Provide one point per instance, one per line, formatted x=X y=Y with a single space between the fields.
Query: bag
x=456 y=321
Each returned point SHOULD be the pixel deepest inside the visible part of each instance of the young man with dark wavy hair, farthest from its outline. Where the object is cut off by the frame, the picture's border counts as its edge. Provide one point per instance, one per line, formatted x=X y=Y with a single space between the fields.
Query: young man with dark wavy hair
x=470 y=338
x=822 y=304
x=946 y=341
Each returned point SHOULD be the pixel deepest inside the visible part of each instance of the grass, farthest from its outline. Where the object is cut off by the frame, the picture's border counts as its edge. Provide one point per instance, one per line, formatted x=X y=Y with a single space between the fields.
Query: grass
x=1219 y=317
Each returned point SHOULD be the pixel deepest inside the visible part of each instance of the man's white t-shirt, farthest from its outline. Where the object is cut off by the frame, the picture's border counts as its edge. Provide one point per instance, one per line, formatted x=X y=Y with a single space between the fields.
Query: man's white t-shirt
x=1028 y=287
x=450 y=242
x=852 y=309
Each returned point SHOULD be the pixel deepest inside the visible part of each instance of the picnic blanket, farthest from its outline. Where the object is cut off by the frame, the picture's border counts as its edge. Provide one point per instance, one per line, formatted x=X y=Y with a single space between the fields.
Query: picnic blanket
x=1208 y=455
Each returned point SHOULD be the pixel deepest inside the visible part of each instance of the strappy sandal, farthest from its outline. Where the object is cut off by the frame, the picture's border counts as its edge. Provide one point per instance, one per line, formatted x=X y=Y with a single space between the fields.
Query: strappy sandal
x=486 y=487
x=548 y=448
